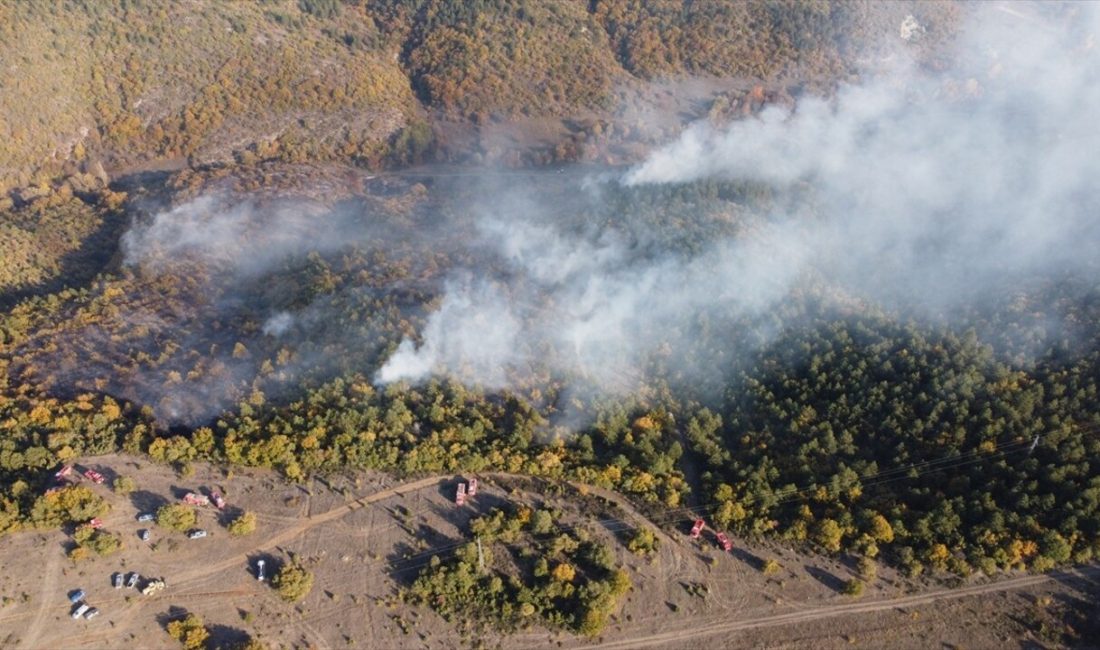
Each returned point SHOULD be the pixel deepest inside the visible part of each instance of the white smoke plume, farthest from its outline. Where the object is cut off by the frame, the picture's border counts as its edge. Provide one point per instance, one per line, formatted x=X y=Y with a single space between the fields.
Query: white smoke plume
x=931 y=184
x=473 y=335
x=928 y=189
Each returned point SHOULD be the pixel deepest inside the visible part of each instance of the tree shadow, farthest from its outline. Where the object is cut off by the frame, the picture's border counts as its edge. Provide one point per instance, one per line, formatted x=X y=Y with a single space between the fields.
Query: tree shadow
x=174 y=613
x=146 y=501
x=406 y=561
x=824 y=577
x=78 y=267
x=224 y=636
x=754 y=561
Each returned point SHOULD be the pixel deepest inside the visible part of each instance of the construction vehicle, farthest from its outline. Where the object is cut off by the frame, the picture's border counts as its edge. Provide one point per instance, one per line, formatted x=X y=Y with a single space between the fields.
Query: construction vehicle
x=195 y=499
x=473 y=487
x=152 y=587
x=94 y=476
x=460 y=495
x=219 y=502
x=697 y=528
x=724 y=542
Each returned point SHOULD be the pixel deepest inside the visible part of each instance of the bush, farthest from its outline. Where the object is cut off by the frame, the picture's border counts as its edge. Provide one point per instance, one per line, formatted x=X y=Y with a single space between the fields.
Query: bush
x=644 y=542
x=176 y=516
x=853 y=587
x=123 y=485
x=96 y=541
x=770 y=567
x=243 y=525
x=293 y=582
x=190 y=632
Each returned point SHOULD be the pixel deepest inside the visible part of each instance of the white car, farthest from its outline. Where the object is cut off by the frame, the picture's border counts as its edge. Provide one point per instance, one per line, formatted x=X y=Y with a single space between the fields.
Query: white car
x=260 y=570
x=80 y=610
x=91 y=613
x=197 y=534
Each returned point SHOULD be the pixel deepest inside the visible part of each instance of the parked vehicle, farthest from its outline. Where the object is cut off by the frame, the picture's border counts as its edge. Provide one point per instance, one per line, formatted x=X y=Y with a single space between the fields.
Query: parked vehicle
x=94 y=476
x=260 y=570
x=79 y=611
x=146 y=516
x=95 y=522
x=144 y=534
x=195 y=499
x=133 y=580
x=77 y=596
x=91 y=613
x=116 y=580
x=724 y=542
x=152 y=587
x=697 y=528
x=196 y=534
x=219 y=502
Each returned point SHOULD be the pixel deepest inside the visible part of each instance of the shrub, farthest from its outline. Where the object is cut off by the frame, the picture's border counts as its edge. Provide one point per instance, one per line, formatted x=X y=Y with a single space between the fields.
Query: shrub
x=190 y=632
x=243 y=525
x=293 y=582
x=176 y=516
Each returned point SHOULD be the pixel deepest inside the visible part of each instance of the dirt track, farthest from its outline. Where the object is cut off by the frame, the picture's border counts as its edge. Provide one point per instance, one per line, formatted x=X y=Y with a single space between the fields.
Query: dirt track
x=699 y=629
x=727 y=609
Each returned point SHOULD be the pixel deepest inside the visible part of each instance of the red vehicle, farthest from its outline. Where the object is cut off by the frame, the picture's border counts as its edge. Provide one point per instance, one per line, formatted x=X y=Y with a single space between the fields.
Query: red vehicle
x=195 y=499
x=219 y=502
x=64 y=472
x=95 y=522
x=725 y=542
x=460 y=495
x=94 y=476
x=473 y=487
x=697 y=528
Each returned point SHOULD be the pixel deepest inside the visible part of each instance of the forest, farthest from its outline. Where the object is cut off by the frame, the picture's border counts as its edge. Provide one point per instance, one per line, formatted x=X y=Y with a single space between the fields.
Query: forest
x=940 y=447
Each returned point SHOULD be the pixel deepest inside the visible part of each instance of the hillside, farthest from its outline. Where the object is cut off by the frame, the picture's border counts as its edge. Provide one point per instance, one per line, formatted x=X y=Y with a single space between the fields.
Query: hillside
x=126 y=82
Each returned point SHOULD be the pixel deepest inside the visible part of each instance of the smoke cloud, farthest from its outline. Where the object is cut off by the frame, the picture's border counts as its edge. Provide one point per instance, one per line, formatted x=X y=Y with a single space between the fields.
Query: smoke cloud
x=925 y=190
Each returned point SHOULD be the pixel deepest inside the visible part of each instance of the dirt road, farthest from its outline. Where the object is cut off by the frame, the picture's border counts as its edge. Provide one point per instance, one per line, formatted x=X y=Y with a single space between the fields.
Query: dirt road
x=47 y=589
x=700 y=628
